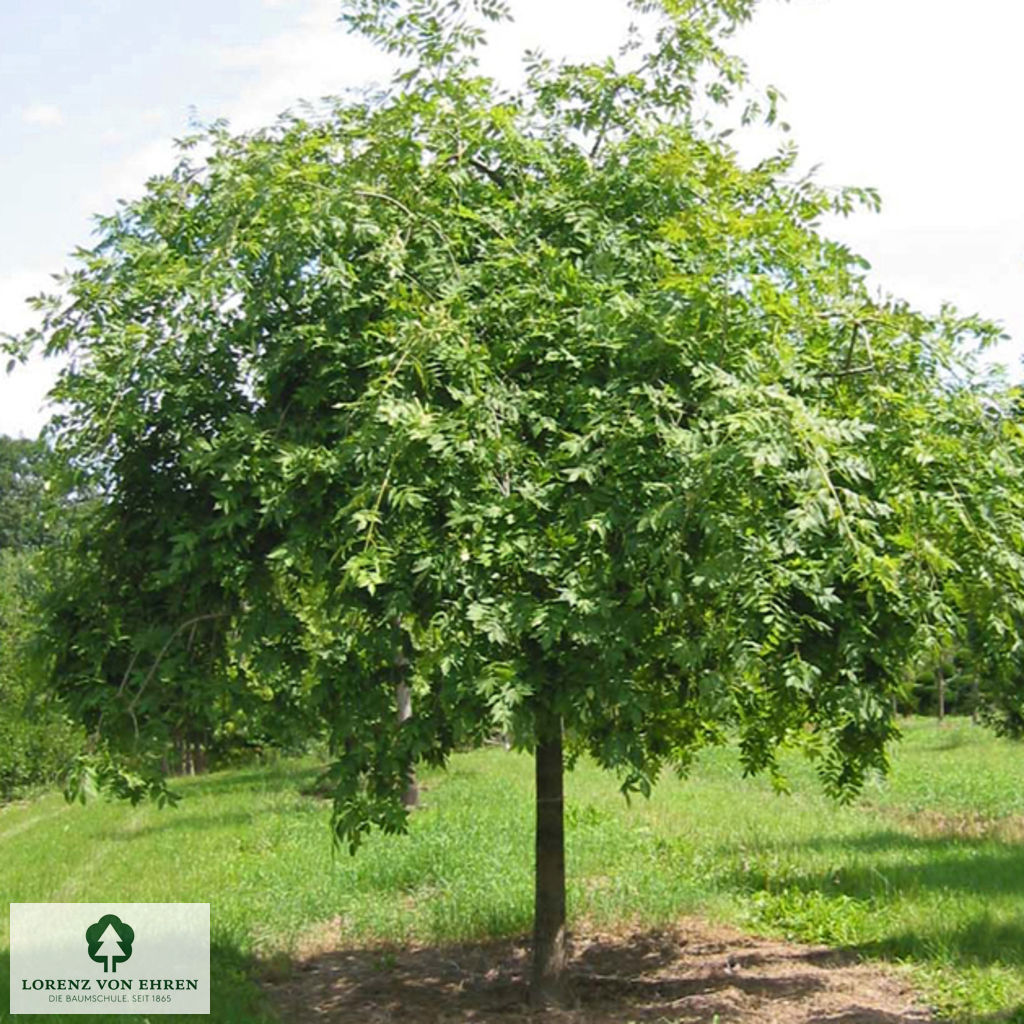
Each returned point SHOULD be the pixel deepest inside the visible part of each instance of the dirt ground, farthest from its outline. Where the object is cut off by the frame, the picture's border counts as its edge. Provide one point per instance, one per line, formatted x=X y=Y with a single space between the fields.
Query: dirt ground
x=685 y=975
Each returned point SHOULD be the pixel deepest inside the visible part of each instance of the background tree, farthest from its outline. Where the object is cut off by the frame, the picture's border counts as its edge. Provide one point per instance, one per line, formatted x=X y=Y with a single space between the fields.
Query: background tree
x=36 y=738
x=545 y=388
x=22 y=493
x=119 y=617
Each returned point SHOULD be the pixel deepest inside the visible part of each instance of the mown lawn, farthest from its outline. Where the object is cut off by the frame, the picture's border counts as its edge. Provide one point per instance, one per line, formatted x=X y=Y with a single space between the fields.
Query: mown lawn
x=926 y=868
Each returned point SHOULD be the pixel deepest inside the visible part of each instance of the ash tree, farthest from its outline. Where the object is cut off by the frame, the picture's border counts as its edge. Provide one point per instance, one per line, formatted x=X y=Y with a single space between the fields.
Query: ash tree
x=545 y=390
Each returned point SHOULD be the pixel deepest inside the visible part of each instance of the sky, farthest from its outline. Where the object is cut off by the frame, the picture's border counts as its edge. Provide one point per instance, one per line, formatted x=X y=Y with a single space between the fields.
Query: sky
x=919 y=98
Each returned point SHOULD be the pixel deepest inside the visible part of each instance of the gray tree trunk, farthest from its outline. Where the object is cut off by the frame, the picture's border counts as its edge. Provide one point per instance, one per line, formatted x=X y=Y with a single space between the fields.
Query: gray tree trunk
x=941 y=678
x=549 y=984
x=411 y=796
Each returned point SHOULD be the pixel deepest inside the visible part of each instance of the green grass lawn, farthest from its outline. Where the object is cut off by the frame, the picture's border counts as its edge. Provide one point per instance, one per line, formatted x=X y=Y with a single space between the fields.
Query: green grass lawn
x=927 y=868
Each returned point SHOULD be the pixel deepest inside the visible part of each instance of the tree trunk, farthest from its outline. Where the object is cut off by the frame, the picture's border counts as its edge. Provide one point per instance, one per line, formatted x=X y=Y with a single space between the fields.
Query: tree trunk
x=942 y=692
x=549 y=986
x=403 y=697
x=974 y=700
x=411 y=796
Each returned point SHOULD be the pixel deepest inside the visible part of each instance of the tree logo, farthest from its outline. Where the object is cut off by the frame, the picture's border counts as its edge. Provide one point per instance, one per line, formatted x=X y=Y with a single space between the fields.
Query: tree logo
x=110 y=942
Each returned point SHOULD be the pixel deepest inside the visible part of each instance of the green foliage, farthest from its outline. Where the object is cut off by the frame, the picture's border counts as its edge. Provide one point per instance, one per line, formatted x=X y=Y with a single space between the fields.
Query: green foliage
x=546 y=390
x=837 y=920
x=37 y=739
x=90 y=774
x=22 y=494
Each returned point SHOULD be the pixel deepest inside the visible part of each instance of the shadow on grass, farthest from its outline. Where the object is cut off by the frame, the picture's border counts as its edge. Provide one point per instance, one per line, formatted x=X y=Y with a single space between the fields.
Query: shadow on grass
x=177 y=819
x=190 y=816
x=681 y=975
x=902 y=863
x=235 y=997
x=275 y=778
x=907 y=862
x=1015 y=1015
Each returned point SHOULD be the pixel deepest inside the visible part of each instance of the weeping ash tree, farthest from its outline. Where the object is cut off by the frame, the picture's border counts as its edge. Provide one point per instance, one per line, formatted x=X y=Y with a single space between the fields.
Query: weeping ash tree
x=541 y=395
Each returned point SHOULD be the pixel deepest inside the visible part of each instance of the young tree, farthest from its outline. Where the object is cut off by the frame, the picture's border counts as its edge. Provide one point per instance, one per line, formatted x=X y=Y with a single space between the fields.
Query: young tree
x=109 y=949
x=547 y=390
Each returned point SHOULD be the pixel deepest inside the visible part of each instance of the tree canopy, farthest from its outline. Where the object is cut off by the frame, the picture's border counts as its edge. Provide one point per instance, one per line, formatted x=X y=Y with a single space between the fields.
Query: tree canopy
x=545 y=388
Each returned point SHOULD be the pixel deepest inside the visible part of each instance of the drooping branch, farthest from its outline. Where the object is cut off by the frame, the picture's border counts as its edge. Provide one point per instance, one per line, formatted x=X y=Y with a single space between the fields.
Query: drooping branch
x=194 y=621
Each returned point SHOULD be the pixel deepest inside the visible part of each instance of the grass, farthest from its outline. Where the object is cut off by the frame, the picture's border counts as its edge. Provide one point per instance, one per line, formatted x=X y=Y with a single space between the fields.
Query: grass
x=926 y=869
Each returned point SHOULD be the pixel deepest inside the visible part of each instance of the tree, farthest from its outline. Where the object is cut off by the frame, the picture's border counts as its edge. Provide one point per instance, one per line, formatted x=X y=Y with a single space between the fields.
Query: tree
x=22 y=496
x=545 y=389
x=109 y=949
x=110 y=942
x=36 y=738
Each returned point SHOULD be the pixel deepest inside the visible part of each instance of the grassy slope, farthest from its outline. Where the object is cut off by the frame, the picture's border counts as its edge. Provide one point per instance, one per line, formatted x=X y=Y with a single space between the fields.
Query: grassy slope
x=883 y=876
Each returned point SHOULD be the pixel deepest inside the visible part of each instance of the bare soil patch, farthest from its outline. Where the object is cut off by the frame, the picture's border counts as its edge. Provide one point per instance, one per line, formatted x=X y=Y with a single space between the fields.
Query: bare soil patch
x=683 y=975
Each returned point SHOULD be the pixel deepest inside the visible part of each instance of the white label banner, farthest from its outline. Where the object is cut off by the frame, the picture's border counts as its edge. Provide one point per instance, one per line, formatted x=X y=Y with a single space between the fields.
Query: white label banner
x=142 y=958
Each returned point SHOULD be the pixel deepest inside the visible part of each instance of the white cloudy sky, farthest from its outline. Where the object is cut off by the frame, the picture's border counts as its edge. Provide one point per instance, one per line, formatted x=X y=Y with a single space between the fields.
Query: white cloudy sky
x=920 y=98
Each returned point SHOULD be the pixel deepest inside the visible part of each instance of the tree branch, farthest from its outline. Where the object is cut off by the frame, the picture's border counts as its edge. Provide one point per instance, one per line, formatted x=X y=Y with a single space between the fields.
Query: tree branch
x=493 y=173
x=605 y=121
x=850 y=347
x=195 y=620
x=847 y=371
x=384 y=197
